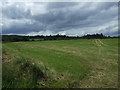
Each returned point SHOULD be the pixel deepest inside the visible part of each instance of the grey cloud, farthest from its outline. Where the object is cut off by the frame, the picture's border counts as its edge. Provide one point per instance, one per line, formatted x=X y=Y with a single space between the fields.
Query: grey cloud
x=23 y=28
x=16 y=11
x=60 y=16
x=62 y=19
x=56 y=5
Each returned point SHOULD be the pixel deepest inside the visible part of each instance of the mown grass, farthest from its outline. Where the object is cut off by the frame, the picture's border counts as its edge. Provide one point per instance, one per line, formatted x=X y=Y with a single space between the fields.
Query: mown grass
x=63 y=63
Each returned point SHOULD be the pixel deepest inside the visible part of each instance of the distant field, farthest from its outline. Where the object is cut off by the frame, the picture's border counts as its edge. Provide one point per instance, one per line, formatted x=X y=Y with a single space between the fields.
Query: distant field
x=80 y=63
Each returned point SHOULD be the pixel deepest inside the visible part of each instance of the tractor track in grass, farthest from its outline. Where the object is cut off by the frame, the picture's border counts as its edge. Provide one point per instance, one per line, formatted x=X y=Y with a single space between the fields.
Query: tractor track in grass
x=99 y=72
x=98 y=42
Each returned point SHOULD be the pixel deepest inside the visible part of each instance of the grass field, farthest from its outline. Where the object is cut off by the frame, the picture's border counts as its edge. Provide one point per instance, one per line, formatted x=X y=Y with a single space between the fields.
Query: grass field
x=80 y=63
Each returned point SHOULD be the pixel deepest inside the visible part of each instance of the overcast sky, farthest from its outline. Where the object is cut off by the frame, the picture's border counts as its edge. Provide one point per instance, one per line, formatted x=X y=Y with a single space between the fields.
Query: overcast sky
x=65 y=18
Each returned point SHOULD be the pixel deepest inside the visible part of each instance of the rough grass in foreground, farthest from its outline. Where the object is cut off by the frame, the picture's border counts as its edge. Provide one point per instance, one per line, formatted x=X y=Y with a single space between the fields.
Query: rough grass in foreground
x=66 y=63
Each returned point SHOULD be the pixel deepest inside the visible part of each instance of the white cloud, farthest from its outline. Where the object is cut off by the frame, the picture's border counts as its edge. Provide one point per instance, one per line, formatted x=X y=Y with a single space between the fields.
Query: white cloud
x=36 y=8
x=46 y=32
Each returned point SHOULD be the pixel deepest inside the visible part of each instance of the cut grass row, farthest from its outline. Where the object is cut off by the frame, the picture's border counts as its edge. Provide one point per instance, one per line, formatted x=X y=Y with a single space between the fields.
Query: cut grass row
x=70 y=63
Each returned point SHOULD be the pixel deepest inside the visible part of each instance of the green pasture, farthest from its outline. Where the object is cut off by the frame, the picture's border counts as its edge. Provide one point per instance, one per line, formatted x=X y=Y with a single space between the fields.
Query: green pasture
x=83 y=63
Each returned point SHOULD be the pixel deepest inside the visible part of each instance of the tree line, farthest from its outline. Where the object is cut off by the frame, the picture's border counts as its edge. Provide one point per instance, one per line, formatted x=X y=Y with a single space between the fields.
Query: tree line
x=17 y=38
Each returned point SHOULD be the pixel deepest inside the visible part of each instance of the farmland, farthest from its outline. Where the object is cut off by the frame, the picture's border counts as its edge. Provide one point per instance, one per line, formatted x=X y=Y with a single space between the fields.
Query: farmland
x=82 y=63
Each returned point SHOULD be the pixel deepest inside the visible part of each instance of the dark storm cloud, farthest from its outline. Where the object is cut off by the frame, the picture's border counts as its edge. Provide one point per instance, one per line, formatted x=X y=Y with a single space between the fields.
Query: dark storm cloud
x=57 y=17
x=22 y=28
x=67 y=18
